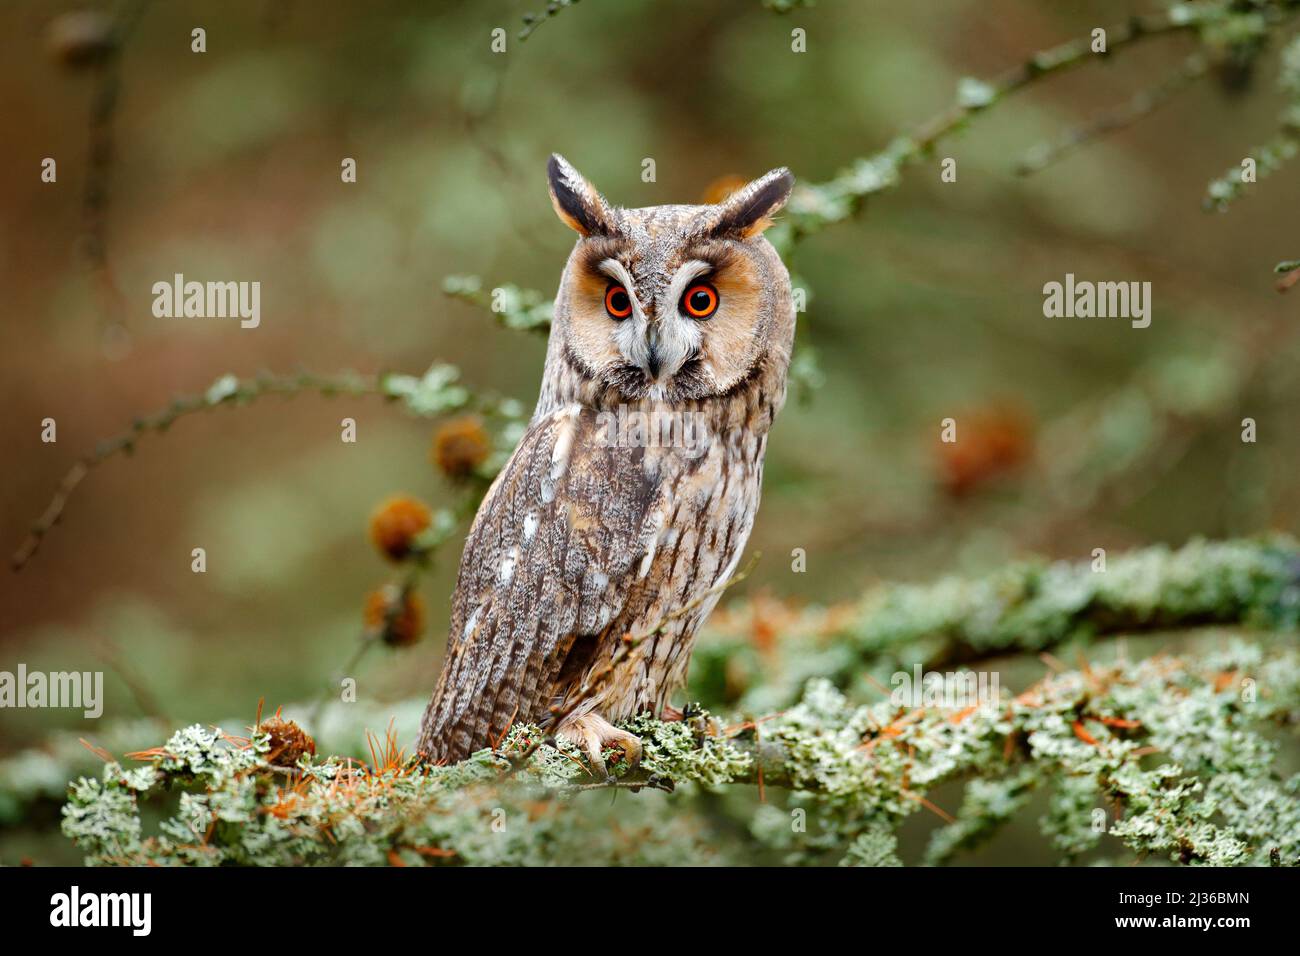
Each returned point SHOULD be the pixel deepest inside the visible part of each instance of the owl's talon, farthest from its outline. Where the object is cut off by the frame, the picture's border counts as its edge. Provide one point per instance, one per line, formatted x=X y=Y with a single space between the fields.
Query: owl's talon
x=631 y=747
x=593 y=733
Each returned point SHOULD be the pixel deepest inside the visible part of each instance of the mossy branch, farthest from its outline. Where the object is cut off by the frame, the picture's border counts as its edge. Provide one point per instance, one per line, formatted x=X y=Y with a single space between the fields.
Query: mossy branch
x=1023 y=608
x=1210 y=793
x=1171 y=756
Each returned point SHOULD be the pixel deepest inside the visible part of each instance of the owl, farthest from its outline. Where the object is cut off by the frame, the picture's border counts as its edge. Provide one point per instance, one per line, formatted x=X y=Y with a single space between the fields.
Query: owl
x=626 y=505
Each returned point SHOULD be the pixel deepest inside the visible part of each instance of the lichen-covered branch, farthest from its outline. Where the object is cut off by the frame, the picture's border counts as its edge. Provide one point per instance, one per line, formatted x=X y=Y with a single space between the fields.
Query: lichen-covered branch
x=759 y=657
x=1028 y=607
x=1208 y=794
x=1285 y=142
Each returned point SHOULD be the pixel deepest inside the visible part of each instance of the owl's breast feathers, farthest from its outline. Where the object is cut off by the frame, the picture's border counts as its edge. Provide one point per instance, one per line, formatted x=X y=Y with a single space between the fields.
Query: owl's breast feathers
x=583 y=539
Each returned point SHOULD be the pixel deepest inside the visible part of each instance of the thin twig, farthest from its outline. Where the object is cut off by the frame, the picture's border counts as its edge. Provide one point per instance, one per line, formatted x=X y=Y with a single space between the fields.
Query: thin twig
x=99 y=160
x=241 y=392
x=111 y=654
x=1057 y=59
x=1121 y=117
x=363 y=647
x=534 y=20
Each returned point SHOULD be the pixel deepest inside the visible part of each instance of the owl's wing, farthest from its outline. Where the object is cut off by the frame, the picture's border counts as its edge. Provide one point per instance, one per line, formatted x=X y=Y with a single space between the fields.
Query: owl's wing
x=550 y=561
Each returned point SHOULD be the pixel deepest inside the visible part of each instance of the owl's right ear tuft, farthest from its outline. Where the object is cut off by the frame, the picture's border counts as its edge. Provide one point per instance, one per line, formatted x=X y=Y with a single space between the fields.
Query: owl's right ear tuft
x=749 y=210
x=576 y=201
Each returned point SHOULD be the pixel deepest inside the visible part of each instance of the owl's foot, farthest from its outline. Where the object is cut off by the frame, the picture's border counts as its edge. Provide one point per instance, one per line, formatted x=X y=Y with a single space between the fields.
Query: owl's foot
x=593 y=733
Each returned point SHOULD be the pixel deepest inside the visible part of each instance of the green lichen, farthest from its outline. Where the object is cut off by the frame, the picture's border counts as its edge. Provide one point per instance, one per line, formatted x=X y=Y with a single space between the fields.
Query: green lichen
x=1030 y=606
x=1177 y=748
x=1169 y=758
x=518 y=309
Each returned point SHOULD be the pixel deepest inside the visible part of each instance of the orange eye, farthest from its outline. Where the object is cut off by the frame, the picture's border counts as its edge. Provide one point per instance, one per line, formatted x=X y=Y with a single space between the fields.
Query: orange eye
x=617 y=302
x=700 y=301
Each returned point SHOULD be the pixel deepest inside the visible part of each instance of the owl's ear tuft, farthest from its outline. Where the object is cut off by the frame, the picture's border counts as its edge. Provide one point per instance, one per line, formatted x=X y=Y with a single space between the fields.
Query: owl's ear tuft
x=576 y=201
x=749 y=210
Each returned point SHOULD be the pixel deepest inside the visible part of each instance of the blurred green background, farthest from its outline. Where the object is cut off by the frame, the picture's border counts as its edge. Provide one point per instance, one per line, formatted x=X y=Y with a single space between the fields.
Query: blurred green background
x=927 y=306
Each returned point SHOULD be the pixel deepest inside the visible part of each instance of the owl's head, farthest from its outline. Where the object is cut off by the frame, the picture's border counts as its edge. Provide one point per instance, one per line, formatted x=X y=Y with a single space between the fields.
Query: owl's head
x=670 y=303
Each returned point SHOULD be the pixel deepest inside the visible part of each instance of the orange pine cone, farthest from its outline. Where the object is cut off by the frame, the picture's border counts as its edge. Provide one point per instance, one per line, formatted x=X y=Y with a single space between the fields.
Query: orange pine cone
x=288 y=742
x=395 y=525
x=460 y=446
x=396 y=615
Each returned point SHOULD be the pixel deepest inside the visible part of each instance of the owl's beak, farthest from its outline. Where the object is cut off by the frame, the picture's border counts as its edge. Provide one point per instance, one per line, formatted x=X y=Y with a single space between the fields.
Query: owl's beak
x=652 y=353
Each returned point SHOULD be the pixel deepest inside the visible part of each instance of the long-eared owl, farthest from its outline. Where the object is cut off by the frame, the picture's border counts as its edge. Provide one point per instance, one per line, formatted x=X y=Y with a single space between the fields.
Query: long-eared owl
x=628 y=501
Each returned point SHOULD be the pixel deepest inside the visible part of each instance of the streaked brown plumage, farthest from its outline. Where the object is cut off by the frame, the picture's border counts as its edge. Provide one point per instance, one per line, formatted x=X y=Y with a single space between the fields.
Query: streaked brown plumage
x=593 y=531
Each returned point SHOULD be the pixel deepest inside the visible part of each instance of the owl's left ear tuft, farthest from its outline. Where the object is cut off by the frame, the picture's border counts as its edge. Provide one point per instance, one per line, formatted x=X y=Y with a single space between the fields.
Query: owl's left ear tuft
x=576 y=201
x=749 y=210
